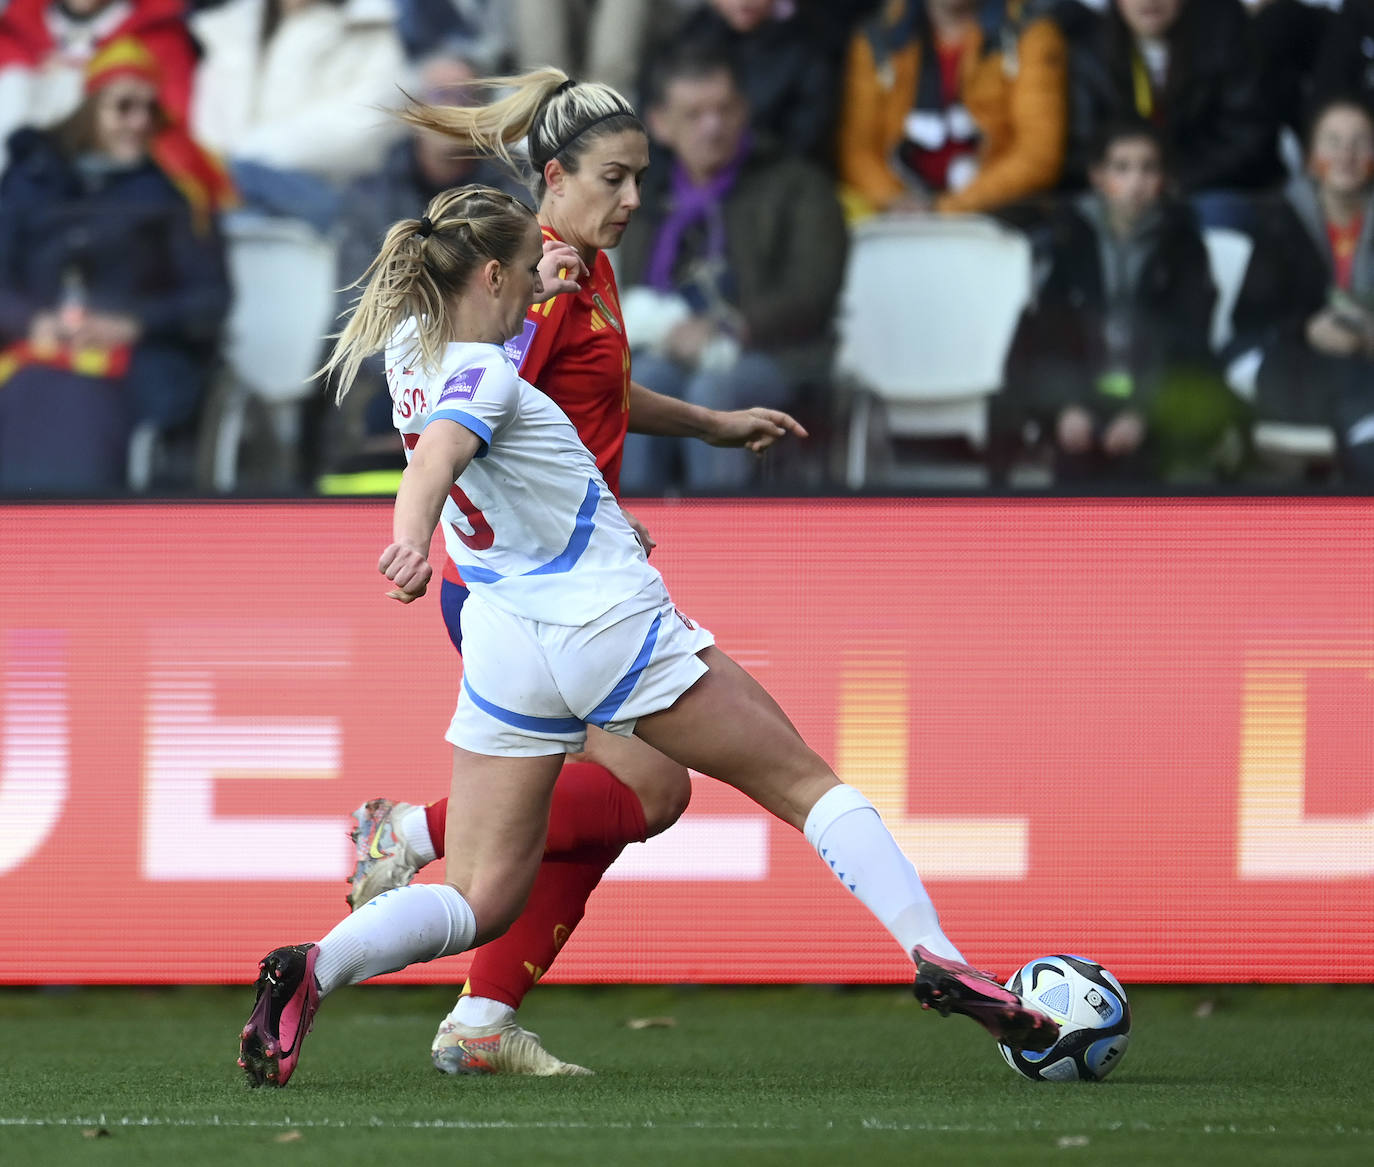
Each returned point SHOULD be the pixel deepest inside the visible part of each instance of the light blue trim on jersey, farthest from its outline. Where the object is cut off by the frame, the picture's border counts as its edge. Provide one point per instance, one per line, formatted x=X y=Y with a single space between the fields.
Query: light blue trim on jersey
x=607 y=710
x=565 y=560
x=580 y=537
x=468 y=422
x=524 y=720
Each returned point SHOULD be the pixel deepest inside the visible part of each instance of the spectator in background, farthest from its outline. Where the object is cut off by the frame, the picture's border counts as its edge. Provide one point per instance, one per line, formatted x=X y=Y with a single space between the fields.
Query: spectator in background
x=474 y=30
x=731 y=269
x=599 y=40
x=940 y=114
x=1345 y=59
x=1191 y=67
x=112 y=280
x=1112 y=360
x=1290 y=35
x=415 y=169
x=784 y=64
x=1304 y=319
x=294 y=94
x=45 y=46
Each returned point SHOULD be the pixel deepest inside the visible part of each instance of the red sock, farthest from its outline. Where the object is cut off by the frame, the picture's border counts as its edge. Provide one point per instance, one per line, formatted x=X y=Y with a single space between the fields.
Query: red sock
x=510 y=966
x=591 y=808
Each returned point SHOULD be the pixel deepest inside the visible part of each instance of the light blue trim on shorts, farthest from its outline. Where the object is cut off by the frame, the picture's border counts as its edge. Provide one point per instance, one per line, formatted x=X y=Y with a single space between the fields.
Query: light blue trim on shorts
x=607 y=710
x=564 y=561
x=524 y=720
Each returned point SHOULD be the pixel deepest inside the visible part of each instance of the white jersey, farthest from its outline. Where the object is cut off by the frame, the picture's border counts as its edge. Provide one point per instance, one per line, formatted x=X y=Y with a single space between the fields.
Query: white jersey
x=530 y=524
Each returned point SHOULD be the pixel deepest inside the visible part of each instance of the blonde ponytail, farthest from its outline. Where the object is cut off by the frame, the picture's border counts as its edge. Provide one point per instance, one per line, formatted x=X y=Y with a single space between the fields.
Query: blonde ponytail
x=545 y=107
x=423 y=266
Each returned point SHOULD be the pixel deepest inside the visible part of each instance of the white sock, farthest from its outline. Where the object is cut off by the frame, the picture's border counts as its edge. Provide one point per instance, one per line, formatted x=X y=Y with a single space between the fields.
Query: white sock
x=480 y=1011
x=405 y=926
x=413 y=824
x=848 y=834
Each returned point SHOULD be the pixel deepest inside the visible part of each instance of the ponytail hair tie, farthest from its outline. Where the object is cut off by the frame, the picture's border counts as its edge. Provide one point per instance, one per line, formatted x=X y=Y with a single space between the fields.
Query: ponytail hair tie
x=568 y=84
x=426 y=227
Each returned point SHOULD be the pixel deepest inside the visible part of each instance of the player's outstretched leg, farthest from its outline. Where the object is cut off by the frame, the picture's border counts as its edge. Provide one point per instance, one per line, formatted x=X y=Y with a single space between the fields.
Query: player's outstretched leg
x=950 y=986
x=287 y=1000
x=728 y=726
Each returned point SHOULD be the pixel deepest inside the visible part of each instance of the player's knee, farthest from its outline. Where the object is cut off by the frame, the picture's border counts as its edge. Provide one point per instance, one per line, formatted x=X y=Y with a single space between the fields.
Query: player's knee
x=495 y=907
x=666 y=799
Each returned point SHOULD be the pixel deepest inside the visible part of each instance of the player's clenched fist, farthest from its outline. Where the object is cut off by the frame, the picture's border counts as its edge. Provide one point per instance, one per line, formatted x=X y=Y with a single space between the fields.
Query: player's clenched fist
x=408 y=568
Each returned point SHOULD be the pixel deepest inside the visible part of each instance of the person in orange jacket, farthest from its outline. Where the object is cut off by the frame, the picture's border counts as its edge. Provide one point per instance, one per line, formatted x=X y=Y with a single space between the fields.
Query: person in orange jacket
x=953 y=106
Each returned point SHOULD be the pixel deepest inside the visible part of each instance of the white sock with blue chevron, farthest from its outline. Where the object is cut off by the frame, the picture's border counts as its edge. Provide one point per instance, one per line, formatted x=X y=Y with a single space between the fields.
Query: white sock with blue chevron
x=849 y=835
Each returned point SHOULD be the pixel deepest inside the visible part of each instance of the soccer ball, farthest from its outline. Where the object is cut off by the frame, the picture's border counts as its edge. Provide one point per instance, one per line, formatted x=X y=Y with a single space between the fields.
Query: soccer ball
x=1093 y=1014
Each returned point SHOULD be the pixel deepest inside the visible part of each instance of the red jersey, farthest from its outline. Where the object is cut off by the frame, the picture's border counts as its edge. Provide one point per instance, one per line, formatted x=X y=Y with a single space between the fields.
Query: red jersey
x=574 y=349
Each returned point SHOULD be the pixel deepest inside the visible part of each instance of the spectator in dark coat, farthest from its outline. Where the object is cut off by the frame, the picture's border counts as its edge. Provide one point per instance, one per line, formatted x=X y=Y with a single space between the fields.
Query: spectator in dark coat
x=1304 y=319
x=1292 y=35
x=112 y=281
x=1345 y=61
x=790 y=74
x=1191 y=67
x=729 y=271
x=1112 y=360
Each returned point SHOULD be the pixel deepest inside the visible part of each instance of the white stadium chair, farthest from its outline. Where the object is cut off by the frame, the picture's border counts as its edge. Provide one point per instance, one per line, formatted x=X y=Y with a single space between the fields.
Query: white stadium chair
x=283 y=275
x=927 y=314
x=1279 y=440
x=1228 y=255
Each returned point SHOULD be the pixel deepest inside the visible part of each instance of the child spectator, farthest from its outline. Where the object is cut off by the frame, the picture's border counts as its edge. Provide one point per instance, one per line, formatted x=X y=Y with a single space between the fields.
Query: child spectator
x=45 y=46
x=1112 y=360
x=1304 y=319
x=112 y=280
x=953 y=106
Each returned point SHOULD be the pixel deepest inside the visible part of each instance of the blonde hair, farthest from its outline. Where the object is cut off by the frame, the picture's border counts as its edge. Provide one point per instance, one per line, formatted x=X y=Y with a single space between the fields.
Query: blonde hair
x=424 y=264
x=557 y=117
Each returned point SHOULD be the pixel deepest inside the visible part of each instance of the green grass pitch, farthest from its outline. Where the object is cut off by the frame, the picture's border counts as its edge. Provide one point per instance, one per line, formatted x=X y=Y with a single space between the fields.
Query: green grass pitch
x=1233 y=1075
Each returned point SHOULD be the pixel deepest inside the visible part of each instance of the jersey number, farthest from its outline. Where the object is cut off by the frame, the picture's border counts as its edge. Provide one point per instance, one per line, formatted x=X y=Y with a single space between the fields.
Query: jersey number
x=482 y=536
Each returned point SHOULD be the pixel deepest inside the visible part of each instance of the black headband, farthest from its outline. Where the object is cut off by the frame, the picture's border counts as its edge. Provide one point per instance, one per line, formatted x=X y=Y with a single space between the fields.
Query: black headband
x=605 y=117
x=426 y=227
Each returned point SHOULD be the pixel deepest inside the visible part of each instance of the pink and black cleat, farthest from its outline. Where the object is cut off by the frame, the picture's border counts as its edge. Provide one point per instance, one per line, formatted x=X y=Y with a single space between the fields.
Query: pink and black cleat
x=948 y=986
x=288 y=998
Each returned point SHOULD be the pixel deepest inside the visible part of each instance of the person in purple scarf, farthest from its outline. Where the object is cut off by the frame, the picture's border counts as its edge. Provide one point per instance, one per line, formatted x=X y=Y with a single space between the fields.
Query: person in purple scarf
x=729 y=272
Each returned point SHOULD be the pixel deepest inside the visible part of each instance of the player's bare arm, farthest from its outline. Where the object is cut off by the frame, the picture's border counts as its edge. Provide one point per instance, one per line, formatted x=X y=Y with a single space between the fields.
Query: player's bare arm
x=756 y=429
x=441 y=455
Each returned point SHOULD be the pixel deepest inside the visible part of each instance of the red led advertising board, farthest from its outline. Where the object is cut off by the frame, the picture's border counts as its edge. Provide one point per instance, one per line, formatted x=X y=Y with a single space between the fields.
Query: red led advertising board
x=1139 y=730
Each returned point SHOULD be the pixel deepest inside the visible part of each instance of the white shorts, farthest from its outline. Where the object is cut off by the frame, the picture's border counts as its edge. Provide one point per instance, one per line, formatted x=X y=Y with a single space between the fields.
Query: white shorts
x=531 y=689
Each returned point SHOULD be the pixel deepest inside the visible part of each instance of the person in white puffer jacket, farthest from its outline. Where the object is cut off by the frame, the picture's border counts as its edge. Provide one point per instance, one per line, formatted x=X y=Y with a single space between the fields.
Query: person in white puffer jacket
x=299 y=85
